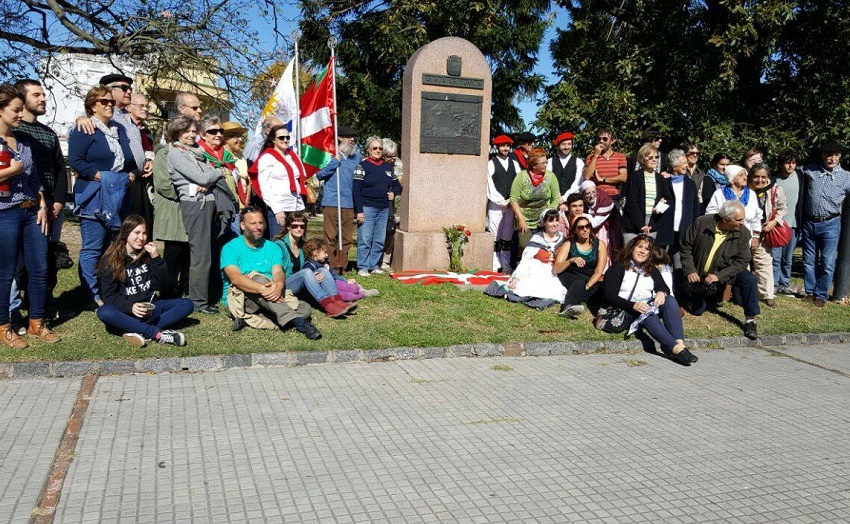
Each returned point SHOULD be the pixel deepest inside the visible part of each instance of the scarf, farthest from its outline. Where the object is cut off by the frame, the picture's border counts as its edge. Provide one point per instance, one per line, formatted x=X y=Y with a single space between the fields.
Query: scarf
x=111 y=134
x=536 y=179
x=729 y=194
x=290 y=163
x=718 y=177
x=677 y=179
x=220 y=158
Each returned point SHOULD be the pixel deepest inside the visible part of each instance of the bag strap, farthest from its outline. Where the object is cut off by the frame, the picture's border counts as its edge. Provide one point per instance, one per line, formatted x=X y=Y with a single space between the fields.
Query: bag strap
x=634 y=287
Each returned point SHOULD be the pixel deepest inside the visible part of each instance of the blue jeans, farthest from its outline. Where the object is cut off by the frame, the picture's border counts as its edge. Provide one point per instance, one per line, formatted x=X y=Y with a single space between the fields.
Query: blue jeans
x=782 y=257
x=306 y=279
x=666 y=327
x=18 y=228
x=166 y=313
x=744 y=291
x=95 y=235
x=820 y=247
x=370 y=237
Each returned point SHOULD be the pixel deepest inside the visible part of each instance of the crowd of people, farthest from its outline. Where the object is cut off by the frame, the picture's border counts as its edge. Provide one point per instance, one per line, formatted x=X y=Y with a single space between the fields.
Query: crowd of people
x=657 y=236
x=652 y=234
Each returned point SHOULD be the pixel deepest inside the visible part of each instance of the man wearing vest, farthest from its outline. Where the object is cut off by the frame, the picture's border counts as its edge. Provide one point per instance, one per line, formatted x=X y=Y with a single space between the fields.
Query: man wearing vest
x=501 y=170
x=566 y=166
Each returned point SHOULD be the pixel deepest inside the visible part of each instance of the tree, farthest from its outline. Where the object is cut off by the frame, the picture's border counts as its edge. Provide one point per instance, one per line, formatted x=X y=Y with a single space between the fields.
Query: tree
x=377 y=37
x=165 y=36
x=731 y=74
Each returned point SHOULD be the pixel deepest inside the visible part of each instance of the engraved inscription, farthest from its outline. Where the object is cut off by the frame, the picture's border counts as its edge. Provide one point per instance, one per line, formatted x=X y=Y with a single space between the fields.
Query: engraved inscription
x=450 y=124
x=453 y=81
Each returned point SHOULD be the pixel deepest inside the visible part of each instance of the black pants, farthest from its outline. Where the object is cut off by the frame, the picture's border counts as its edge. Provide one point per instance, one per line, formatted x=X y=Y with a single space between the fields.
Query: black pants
x=576 y=293
x=176 y=257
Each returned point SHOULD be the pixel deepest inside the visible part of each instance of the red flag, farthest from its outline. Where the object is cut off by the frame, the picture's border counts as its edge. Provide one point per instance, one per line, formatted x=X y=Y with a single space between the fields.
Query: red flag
x=318 y=115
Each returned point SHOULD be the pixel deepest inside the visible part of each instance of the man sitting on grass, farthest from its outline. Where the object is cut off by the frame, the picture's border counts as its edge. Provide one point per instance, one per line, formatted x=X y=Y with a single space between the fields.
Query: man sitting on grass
x=254 y=281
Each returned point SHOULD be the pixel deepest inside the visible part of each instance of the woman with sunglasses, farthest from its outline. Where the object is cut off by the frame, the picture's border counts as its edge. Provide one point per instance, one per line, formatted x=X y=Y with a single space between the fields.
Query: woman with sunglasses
x=635 y=285
x=579 y=265
x=193 y=179
x=104 y=166
x=375 y=186
x=535 y=277
x=281 y=178
x=649 y=197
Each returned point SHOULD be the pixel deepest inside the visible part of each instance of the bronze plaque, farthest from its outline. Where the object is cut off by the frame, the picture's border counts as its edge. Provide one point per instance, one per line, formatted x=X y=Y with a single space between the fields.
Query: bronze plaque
x=450 y=124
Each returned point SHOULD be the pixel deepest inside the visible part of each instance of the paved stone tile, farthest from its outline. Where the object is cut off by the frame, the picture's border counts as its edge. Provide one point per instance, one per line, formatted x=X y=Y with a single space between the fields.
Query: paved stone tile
x=33 y=415
x=832 y=356
x=742 y=436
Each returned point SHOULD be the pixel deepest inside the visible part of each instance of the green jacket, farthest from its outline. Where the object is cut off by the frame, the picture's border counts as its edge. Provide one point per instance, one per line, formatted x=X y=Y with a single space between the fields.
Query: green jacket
x=533 y=200
x=166 y=204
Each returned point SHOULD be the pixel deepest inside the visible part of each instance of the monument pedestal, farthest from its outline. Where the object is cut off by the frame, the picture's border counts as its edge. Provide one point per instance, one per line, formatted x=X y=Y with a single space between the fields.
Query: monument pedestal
x=427 y=251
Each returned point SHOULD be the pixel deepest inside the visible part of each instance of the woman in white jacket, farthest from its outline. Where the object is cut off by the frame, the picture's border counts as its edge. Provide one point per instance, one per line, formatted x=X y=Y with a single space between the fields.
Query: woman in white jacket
x=738 y=190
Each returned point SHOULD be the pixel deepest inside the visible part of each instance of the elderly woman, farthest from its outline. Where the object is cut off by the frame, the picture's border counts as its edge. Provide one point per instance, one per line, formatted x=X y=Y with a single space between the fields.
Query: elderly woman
x=714 y=178
x=193 y=179
x=606 y=224
x=685 y=208
x=104 y=166
x=281 y=178
x=648 y=197
x=579 y=265
x=391 y=157
x=535 y=277
x=303 y=281
x=635 y=285
x=737 y=190
x=772 y=202
x=375 y=186
x=23 y=225
x=533 y=191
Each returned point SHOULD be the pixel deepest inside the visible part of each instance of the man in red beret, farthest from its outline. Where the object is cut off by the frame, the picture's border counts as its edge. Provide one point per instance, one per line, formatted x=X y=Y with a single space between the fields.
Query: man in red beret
x=566 y=166
x=501 y=170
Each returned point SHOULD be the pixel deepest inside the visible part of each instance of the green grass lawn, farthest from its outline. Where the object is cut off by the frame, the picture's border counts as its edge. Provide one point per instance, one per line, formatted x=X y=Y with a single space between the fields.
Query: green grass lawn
x=402 y=315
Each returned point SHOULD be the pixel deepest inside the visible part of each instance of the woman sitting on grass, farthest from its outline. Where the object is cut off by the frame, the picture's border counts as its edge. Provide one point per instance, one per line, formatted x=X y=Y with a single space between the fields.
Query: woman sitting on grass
x=579 y=265
x=131 y=272
x=534 y=277
x=316 y=258
x=301 y=280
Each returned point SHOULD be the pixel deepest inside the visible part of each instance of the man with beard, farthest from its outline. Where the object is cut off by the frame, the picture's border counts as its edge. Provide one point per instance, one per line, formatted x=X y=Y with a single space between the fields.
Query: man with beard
x=333 y=207
x=254 y=281
x=606 y=167
x=566 y=166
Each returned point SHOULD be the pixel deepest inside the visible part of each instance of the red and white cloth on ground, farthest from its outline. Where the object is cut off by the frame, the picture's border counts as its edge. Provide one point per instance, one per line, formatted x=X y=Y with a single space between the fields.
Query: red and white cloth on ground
x=480 y=278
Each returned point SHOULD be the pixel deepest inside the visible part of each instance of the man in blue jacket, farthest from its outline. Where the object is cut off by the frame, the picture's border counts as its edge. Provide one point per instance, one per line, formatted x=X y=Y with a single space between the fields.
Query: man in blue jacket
x=347 y=159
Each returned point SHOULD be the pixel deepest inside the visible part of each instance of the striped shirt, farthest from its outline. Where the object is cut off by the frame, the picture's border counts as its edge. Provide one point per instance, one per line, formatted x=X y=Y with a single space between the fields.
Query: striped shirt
x=48 y=158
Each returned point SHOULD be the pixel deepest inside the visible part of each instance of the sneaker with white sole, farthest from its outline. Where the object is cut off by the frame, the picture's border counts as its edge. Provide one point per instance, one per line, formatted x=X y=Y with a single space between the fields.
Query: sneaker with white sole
x=386 y=267
x=378 y=271
x=370 y=292
x=134 y=339
x=174 y=338
x=363 y=273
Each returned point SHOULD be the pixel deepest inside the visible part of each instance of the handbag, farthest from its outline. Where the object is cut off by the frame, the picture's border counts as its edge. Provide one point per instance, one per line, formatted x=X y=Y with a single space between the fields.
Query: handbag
x=310 y=196
x=613 y=319
x=780 y=235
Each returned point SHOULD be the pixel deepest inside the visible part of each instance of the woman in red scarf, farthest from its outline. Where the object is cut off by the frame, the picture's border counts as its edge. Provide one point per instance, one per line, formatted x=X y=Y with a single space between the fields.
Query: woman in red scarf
x=281 y=178
x=532 y=191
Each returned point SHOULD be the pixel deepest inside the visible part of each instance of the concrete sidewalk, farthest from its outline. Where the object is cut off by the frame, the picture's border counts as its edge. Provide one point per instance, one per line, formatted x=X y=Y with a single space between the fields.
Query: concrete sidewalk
x=745 y=435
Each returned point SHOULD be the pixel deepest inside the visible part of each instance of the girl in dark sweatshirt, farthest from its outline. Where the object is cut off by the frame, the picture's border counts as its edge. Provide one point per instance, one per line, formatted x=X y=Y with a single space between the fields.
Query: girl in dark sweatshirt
x=130 y=272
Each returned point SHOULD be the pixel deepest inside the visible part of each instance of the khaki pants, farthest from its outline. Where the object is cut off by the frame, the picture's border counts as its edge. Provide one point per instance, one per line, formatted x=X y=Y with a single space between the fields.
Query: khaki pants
x=338 y=259
x=763 y=269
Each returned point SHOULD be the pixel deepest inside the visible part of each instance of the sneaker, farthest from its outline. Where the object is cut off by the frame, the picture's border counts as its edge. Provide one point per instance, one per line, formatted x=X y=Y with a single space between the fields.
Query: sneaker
x=309 y=330
x=378 y=271
x=751 y=330
x=172 y=337
x=207 y=309
x=571 y=310
x=363 y=273
x=134 y=339
x=238 y=323
x=371 y=293
x=386 y=267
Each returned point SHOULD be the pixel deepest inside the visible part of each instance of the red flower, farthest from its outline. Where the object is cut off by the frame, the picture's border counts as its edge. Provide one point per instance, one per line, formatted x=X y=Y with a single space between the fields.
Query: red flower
x=468 y=233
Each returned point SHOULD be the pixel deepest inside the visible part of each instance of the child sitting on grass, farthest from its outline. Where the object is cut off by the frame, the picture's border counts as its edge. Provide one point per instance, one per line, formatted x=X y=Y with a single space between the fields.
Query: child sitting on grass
x=316 y=256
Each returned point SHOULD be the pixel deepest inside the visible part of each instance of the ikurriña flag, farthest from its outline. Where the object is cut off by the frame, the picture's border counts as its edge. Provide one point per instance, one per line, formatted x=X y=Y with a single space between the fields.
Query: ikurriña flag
x=318 y=114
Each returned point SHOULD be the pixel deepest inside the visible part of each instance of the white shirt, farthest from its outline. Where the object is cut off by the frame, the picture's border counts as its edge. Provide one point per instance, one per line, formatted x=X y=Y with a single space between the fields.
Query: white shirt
x=492 y=195
x=574 y=188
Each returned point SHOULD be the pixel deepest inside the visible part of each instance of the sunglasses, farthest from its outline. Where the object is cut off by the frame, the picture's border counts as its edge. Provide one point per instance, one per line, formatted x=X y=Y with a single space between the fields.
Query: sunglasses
x=298 y=226
x=603 y=138
x=376 y=148
x=217 y=131
x=106 y=101
x=282 y=137
x=693 y=153
x=582 y=227
x=122 y=87
x=194 y=108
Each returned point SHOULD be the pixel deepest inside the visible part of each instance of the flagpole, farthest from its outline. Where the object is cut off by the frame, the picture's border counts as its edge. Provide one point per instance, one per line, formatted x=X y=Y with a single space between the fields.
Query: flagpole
x=332 y=43
x=296 y=124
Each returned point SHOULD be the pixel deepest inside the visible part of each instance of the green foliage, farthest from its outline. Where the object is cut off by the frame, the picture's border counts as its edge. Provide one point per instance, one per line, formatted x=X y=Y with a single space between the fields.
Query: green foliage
x=378 y=37
x=729 y=74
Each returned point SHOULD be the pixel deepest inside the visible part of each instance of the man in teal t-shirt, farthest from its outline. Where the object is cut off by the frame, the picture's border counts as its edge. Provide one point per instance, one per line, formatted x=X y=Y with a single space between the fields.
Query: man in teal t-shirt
x=253 y=265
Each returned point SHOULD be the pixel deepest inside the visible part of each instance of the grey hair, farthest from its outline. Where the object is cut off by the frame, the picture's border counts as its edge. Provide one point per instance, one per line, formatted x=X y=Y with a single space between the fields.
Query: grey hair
x=729 y=208
x=372 y=139
x=180 y=99
x=673 y=158
x=269 y=123
x=390 y=148
x=208 y=122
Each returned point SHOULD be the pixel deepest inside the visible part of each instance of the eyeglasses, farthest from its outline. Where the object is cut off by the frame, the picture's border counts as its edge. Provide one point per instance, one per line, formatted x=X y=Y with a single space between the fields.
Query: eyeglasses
x=693 y=153
x=216 y=131
x=193 y=108
x=106 y=101
x=603 y=138
x=122 y=87
x=282 y=138
x=376 y=148
x=298 y=226
x=141 y=106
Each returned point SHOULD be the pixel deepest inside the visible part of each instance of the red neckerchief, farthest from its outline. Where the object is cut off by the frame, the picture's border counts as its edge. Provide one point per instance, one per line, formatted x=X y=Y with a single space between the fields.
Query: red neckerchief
x=301 y=178
x=536 y=179
x=376 y=162
x=218 y=155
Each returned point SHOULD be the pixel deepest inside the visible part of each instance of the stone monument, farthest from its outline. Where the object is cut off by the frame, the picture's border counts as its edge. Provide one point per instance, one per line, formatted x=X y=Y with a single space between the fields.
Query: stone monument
x=445 y=143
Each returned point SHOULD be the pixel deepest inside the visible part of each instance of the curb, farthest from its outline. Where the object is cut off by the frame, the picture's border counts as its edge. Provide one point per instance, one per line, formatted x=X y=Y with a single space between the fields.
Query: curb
x=202 y=363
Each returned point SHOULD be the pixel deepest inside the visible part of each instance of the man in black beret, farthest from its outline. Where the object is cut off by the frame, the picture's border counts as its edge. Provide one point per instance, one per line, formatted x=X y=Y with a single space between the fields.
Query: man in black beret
x=826 y=185
x=524 y=144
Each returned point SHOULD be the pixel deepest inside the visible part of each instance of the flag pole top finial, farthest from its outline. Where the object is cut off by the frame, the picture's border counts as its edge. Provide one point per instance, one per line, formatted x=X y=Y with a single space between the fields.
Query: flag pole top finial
x=332 y=42
x=296 y=35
